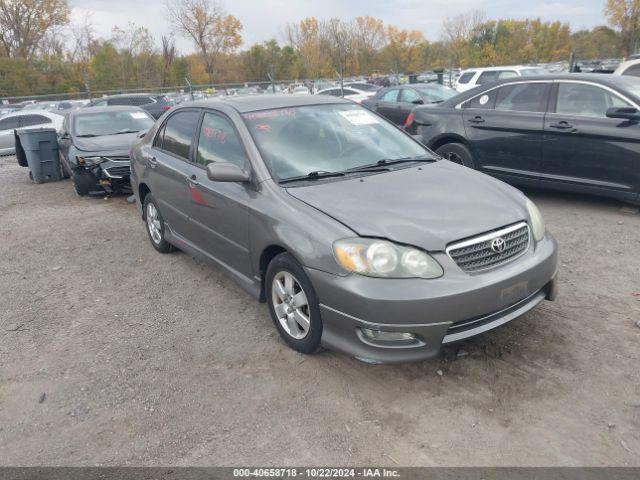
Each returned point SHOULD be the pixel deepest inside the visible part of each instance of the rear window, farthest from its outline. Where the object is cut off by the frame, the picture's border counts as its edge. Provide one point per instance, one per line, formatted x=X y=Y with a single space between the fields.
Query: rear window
x=522 y=97
x=466 y=77
x=30 y=120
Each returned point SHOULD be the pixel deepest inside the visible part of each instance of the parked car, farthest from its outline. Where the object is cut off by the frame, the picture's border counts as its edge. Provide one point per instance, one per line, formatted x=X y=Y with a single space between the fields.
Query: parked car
x=94 y=146
x=630 y=68
x=334 y=217
x=300 y=90
x=156 y=105
x=473 y=77
x=574 y=132
x=22 y=119
x=349 y=92
x=396 y=103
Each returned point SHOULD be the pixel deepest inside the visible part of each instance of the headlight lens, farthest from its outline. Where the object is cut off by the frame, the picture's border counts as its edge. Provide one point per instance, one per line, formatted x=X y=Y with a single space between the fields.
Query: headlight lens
x=537 y=223
x=88 y=161
x=381 y=258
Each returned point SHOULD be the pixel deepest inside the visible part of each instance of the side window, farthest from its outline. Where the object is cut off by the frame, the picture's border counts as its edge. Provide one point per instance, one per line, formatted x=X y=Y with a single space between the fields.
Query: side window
x=348 y=92
x=100 y=103
x=30 y=120
x=633 y=70
x=466 y=77
x=219 y=142
x=391 y=96
x=486 y=77
x=9 y=123
x=586 y=100
x=409 y=95
x=522 y=97
x=484 y=101
x=179 y=132
x=138 y=101
x=507 y=74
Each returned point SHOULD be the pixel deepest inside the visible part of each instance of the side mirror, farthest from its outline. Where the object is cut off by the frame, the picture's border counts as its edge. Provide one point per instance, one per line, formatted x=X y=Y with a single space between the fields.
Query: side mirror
x=65 y=136
x=626 y=113
x=226 y=172
x=141 y=133
x=418 y=101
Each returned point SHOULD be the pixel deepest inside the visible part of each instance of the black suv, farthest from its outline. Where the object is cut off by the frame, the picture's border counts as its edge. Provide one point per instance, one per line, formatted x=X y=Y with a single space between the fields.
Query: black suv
x=156 y=105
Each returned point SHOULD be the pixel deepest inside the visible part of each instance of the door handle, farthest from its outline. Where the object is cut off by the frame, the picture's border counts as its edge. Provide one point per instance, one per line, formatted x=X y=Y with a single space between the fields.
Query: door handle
x=561 y=125
x=476 y=119
x=193 y=180
x=153 y=162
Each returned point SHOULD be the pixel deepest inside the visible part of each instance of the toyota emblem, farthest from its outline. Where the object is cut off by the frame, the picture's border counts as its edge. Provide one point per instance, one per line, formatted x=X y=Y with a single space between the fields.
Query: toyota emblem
x=498 y=245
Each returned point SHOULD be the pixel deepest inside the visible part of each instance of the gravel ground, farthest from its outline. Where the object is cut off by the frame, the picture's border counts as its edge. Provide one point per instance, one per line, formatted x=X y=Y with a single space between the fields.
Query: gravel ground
x=112 y=354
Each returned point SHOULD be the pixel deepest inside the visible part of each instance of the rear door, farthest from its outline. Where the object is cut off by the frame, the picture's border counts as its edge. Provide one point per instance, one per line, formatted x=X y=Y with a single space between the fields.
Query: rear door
x=219 y=210
x=7 y=127
x=387 y=104
x=169 y=170
x=584 y=148
x=505 y=128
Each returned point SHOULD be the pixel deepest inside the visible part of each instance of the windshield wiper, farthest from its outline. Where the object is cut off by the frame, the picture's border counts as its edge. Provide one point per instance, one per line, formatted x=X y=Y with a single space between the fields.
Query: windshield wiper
x=124 y=131
x=393 y=161
x=87 y=135
x=313 y=176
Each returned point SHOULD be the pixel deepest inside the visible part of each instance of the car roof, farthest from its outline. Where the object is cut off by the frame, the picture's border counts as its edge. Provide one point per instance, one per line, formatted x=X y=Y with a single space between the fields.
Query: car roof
x=504 y=67
x=46 y=113
x=625 y=65
x=252 y=103
x=121 y=95
x=113 y=108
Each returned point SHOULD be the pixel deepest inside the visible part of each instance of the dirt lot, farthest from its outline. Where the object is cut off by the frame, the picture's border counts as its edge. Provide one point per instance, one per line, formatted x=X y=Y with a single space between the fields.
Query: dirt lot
x=111 y=353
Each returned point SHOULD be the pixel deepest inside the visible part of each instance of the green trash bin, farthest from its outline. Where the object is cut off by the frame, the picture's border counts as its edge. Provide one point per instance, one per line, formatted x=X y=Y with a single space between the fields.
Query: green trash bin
x=37 y=148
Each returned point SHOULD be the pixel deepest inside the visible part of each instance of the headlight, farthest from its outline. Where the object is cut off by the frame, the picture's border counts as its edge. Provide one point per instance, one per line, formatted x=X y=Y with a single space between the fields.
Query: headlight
x=537 y=223
x=381 y=258
x=88 y=161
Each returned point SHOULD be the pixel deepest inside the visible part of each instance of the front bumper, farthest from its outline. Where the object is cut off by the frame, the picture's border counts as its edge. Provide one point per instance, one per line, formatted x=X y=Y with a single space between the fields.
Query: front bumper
x=444 y=310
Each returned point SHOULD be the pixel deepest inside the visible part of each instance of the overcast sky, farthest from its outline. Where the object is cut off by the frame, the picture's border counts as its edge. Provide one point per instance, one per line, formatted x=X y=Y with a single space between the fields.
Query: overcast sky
x=263 y=19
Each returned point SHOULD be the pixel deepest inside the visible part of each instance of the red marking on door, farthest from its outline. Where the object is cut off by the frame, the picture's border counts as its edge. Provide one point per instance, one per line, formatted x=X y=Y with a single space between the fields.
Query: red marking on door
x=196 y=195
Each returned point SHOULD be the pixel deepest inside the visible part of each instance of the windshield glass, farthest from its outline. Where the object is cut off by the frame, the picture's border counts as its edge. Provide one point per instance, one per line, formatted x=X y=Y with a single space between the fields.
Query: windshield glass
x=527 y=72
x=111 y=123
x=326 y=138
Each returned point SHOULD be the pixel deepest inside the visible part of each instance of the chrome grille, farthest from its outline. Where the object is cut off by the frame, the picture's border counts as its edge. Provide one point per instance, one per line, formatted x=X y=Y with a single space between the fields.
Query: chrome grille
x=117 y=171
x=477 y=254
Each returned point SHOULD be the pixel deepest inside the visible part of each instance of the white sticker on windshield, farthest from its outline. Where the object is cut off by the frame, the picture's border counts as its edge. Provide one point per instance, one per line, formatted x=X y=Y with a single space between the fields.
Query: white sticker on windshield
x=484 y=99
x=359 y=117
x=138 y=115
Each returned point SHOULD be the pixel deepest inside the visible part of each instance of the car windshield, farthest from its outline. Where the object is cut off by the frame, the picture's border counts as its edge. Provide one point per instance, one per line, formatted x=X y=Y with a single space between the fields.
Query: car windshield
x=437 y=93
x=96 y=124
x=326 y=138
x=527 y=72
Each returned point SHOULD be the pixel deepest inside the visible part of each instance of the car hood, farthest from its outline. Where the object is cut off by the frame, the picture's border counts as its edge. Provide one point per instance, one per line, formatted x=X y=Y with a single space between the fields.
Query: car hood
x=106 y=142
x=428 y=206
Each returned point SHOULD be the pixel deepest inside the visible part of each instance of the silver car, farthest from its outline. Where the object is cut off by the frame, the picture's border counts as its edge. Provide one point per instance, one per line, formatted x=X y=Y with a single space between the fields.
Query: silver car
x=356 y=236
x=11 y=122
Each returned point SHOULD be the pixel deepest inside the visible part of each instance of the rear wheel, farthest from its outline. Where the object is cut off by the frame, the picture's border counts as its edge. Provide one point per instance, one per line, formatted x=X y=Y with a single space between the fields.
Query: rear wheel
x=457 y=153
x=293 y=304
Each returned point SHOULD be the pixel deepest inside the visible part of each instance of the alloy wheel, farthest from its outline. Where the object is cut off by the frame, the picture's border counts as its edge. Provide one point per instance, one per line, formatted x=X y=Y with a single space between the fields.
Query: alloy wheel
x=291 y=305
x=153 y=223
x=453 y=157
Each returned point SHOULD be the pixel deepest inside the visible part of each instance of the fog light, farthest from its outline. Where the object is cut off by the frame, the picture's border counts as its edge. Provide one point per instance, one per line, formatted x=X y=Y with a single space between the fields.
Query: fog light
x=381 y=336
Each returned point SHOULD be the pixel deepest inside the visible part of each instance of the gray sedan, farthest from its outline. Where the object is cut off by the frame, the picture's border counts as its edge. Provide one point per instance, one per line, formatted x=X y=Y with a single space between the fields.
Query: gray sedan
x=356 y=236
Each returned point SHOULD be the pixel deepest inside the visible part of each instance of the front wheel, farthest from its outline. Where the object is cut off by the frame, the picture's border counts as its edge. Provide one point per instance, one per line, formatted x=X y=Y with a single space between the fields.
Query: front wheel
x=293 y=304
x=457 y=153
x=154 y=224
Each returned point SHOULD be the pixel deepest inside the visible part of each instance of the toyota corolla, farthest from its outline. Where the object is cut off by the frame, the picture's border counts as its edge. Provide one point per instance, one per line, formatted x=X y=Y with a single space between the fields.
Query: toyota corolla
x=356 y=236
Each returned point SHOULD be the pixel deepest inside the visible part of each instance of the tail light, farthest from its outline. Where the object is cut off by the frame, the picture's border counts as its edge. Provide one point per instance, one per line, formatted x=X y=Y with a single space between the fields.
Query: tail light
x=409 y=121
x=167 y=107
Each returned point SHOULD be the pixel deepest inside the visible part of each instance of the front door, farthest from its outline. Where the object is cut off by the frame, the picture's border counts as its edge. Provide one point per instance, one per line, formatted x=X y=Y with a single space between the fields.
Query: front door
x=584 y=148
x=505 y=127
x=219 y=210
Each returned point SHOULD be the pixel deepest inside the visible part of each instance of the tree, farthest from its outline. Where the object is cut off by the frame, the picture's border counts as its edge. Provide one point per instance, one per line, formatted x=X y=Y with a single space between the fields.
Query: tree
x=168 y=56
x=25 y=23
x=369 y=37
x=625 y=16
x=211 y=29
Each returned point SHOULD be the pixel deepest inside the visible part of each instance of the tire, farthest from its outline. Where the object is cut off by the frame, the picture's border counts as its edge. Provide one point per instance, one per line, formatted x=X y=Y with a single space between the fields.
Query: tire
x=83 y=183
x=457 y=153
x=154 y=225
x=286 y=314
